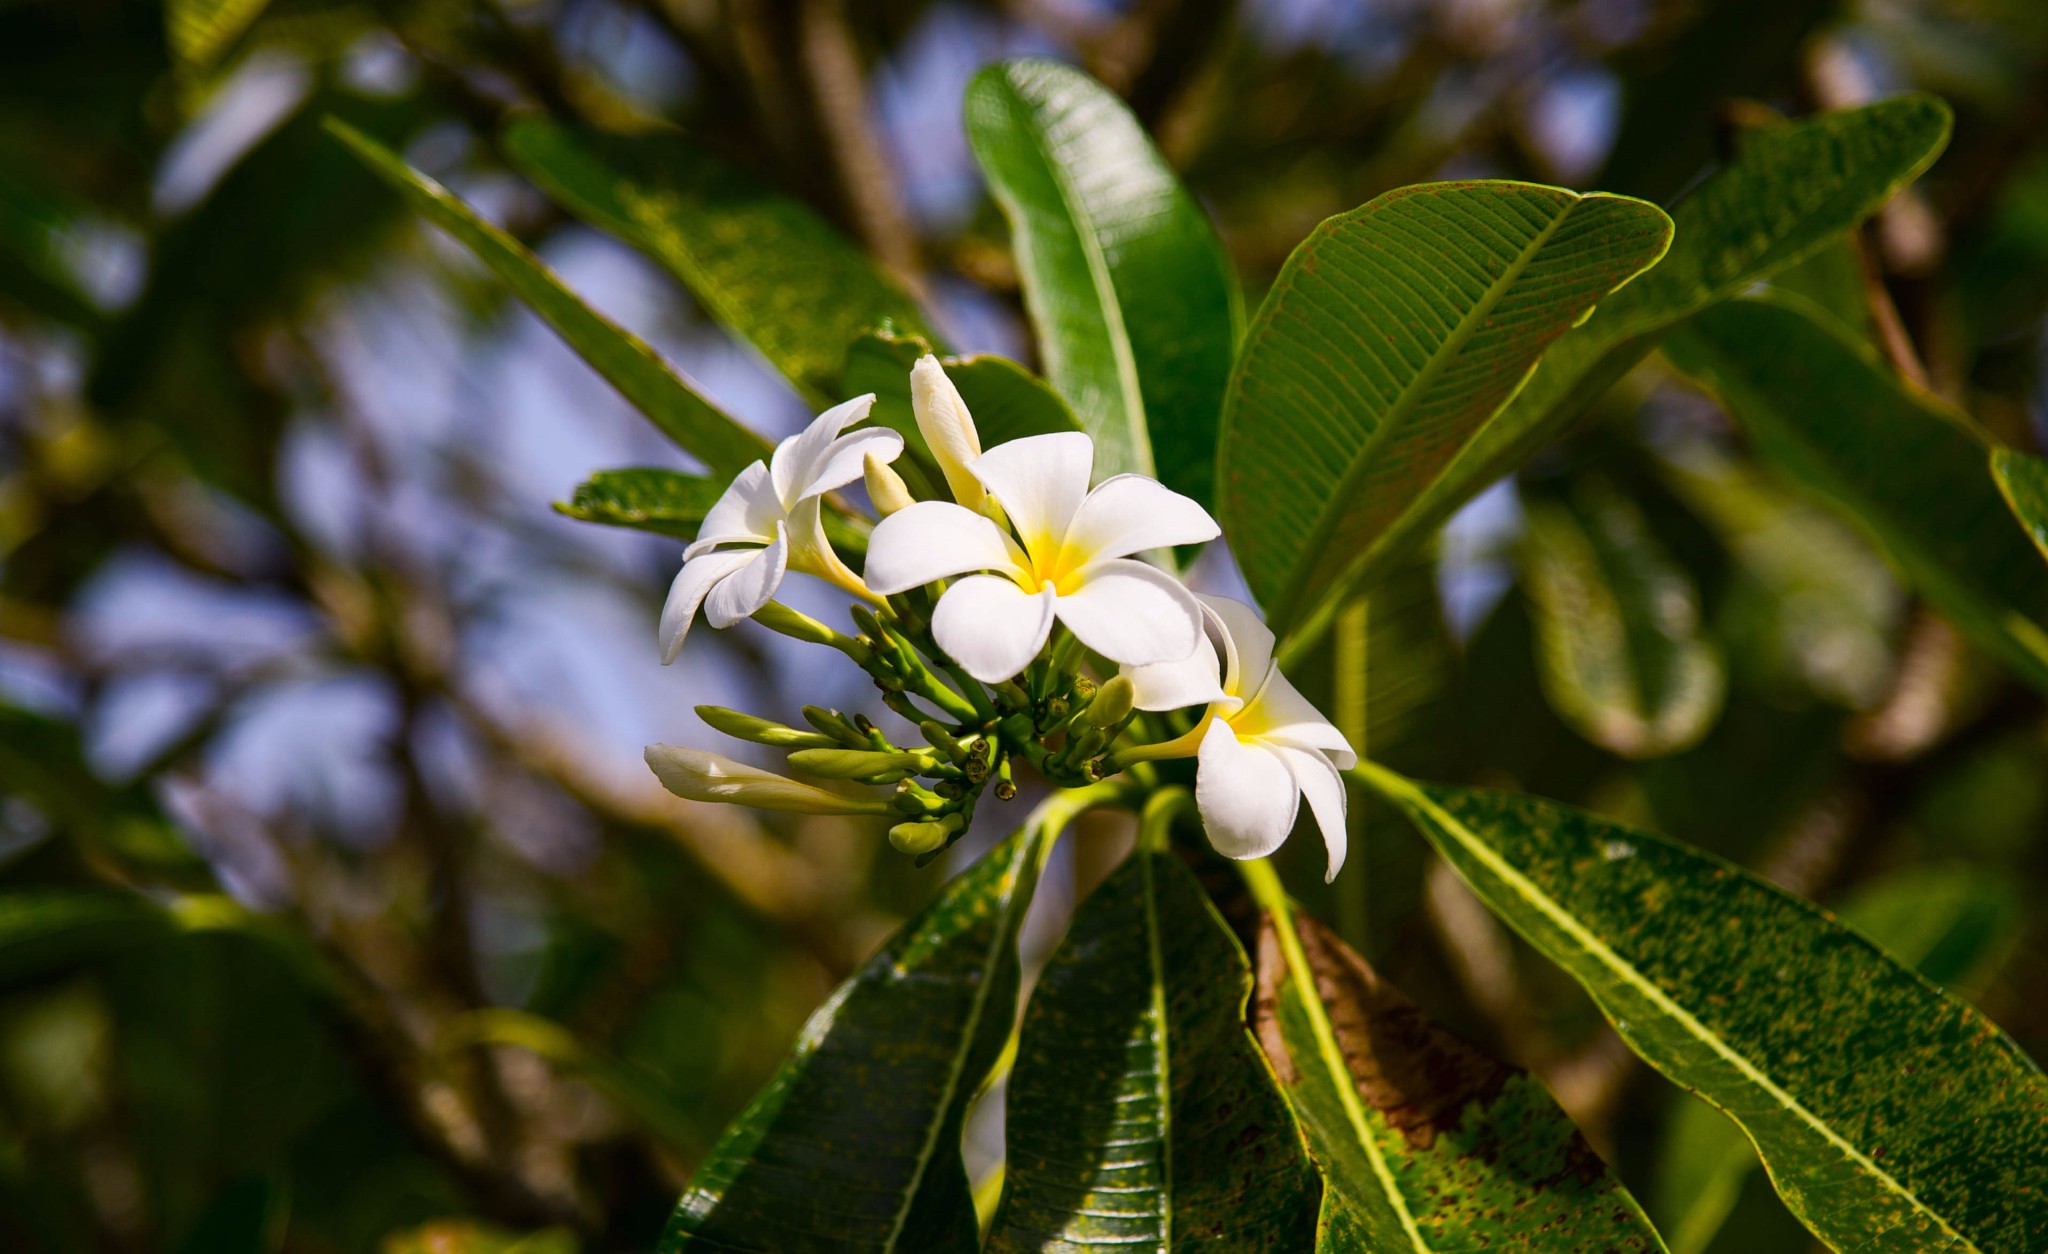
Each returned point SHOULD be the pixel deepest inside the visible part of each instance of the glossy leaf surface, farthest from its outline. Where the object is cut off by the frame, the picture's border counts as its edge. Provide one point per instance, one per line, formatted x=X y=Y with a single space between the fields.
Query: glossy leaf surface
x=1391 y=335
x=1893 y=459
x=1134 y=303
x=1426 y=1144
x=762 y=263
x=855 y=1144
x=2023 y=478
x=1892 y=1116
x=1141 y=1114
x=1788 y=192
x=1942 y=922
x=1619 y=646
x=626 y=362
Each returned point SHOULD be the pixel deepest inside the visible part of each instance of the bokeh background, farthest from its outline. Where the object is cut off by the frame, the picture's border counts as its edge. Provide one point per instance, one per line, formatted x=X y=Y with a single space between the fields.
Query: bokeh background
x=337 y=911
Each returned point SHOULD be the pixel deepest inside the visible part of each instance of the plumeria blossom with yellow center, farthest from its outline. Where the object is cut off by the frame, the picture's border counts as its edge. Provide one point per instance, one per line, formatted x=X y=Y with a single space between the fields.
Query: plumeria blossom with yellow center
x=1069 y=560
x=1260 y=746
x=770 y=522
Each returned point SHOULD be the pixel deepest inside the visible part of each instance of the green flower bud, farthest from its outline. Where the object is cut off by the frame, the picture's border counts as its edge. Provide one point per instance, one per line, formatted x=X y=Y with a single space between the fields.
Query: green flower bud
x=944 y=741
x=856 y=763
x=1113 y=702
x=776 y=616
x=762 y=732
x=929 y=836
x=696 y=775
x=834 y=724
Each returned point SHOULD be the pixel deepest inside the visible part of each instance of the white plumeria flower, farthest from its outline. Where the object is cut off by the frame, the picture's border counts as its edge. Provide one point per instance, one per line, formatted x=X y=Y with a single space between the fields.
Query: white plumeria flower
x=1260 y=747
x=770 y=522
x=1071 y=565
x=948 y=430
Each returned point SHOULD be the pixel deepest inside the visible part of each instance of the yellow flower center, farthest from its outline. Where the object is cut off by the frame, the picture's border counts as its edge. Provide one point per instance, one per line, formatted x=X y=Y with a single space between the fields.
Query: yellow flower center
x=1049 y=561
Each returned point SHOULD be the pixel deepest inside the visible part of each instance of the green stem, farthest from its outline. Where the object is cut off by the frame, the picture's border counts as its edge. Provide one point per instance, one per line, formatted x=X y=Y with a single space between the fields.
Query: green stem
x=1155 y=821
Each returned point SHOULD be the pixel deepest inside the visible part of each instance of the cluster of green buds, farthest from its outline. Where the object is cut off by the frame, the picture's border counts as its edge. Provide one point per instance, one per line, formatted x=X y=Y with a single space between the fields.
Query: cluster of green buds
x=1053 y=717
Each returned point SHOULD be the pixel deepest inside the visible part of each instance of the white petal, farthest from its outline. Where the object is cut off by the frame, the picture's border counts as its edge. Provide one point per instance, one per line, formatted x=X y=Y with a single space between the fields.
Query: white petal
x=1130 y=514
x=1247 y=644
x=811 y=551
x=1040 y=481
x=1132 y=614
x=933 y=540
x=991 y=627
x=800 y=459
x=746 y=511
x=692 y=583
x=1246 y=795
x=1324 y=788
x=948 y=429
x=750 y=586
x=847 y=458
x=1177 y=685
x=1282 y=715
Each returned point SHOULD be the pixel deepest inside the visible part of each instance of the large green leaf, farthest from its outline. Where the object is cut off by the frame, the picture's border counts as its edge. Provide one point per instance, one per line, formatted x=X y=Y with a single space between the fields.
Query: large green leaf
x=1393 y=332
x=2023 y=478
x=855 y=1144
x=201 y=30
x=1892 y=458
x=628 y=364
x=1007 y=401
x=1619 y=648
x=42 y=930
x=1891 y=1116
x=1789 y=191
x=1141 y=1115
x=762 y=263
x=1426 y=1144
x=1942 y=921
x=1136 y=309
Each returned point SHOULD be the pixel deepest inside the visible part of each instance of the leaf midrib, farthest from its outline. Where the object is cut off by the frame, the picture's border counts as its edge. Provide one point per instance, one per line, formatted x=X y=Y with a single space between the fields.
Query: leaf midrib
x=1163 y=1045
x=1407 y=794
x=1135 y=420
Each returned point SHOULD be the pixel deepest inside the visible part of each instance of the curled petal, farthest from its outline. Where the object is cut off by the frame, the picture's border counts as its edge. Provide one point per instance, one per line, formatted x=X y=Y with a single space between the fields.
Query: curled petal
x=846 y=459
x=1177 y=685
x=1247 y=644
x=811 y=551
x=1040 y=481
x=934 y=540
x=1324 y=788
x=1281 y=715
x=1246 y=795
x=1132 y=614
x=802 y=460
x=751 y=584
x=1130 y=514
x=692 y=584
x=991 y=627
x=746 y=512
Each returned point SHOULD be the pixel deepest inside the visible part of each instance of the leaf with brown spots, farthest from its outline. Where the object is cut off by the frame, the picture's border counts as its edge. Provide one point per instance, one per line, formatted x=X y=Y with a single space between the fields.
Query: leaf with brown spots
x=1426 y=1143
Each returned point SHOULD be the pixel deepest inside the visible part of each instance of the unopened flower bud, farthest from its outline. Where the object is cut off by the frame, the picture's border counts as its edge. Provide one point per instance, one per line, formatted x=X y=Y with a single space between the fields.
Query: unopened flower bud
x=856 y=763
x=945 y=742
x=697 y=775
x=926 y=837
x=778 y=617
x=761 y=731
x=885 y=487
x=947 y=428
x=834 y=724
x=1113 y=702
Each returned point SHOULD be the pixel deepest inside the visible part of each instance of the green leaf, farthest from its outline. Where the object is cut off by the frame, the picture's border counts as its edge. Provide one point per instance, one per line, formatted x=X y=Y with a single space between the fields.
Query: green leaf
x=628 y=364
x=1135 y=305
x=855 y=1144
x=1141 y=1114
x=201 y=30
x=1942 y=921
x=1426 y=1144
x=1619 y=648
x=1893 y=459
x=1788 y=192
x=637 y=1092
x=2023 y=478
x=762 y=264
x=1891 y=1115
x=1393 y=332
x=44 y=930
x=1007 y=401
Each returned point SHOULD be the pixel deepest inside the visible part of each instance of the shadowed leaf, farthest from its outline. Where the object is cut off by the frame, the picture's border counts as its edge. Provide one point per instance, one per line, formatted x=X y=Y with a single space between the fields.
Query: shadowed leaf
x=1894 y=460
x=1426 y=1144
x=1134 y=303
x=1141 y=1115
x=2023 y=478
x=1391 y=335
x=1892 y=1116
x=762 y=263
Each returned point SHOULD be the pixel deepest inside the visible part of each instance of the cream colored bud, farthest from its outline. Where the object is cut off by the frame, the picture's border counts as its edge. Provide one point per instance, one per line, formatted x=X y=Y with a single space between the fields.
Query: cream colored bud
x=1113 y=702
x=697 y=775
x=930 y=836
x=947 y=428
x=885 y=487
